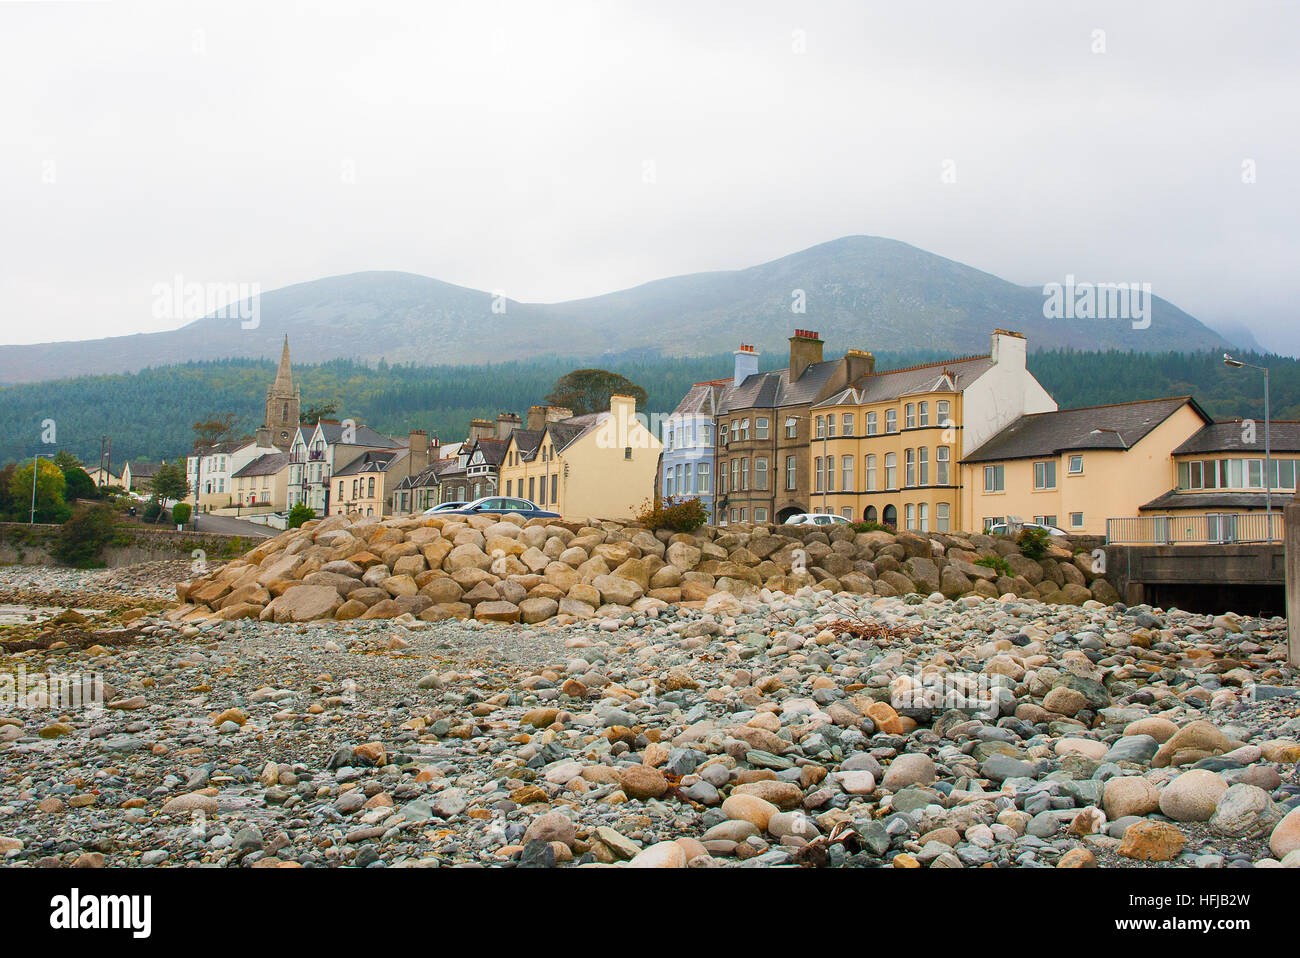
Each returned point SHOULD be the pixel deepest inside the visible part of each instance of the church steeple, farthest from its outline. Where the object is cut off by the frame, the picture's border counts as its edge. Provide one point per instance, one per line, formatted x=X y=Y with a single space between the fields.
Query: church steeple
x=282 y=403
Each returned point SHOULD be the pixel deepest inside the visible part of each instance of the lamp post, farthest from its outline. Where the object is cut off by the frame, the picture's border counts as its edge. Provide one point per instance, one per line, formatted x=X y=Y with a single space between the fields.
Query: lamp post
x=1268 y=454
x=36 y=467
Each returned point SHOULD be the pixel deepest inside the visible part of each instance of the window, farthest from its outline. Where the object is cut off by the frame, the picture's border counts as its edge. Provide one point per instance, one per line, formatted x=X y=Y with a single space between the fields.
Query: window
x=1045 y=475
x=923 y=516
x=830 y=473
x=942 y=412
x=370 y=487
x=340 y=488
x=941 y=458
x=891 y=470
x=941 y=516
x=669 y=443
x=760 y=472
x=744 y=430
x=1045 y=520
x=1255 y=473
x=993 y=478
x=722 y=478
x=509 y=484
x=791 y=427
x=702 y=478
x=532 y=487
x=846 y=468
x=821 y=427
x=1283 y=473
x=542 y=501
x=760 y=514
x=909 y=416
x=733 y=515
x=872 y=425
x=735 y=430
x=555 y=486
x=923 y=414
x=668 y=484
x=722 y=433
x=790 y=473
x=627 y=452
x=744 y=473
x=760 y=427
x=923 y=465
x=1076 y=465
x=909 y=516
x=706 y=434
x=847 y=513
x=744 y=515
x=991 y=521
x=684 y=480
x=847 y=421
x=891 y=420
x=1076 y=520
x=830 y=427
x=869 y=473
x=909 y=467
x=356 y=488
x=817 y=473
x=735 y=475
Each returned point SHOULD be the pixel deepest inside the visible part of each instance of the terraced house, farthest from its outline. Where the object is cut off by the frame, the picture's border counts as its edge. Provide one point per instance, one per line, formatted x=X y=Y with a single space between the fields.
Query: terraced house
x=687 y=465
x=839 y=437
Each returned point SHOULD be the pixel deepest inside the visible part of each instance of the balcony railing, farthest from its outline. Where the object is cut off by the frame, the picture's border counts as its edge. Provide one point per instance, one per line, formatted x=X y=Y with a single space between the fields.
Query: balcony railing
x=1212 y=528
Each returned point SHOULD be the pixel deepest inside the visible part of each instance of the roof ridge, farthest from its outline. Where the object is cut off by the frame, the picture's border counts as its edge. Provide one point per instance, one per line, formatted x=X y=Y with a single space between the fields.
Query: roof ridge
x=939 y=362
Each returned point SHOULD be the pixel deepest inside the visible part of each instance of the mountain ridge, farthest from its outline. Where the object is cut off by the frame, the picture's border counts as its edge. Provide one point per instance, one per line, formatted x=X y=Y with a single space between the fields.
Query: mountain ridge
x=857 y=291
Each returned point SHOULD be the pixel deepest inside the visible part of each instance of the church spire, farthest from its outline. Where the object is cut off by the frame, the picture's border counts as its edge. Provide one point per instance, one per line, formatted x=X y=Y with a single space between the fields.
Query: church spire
x=283 y=386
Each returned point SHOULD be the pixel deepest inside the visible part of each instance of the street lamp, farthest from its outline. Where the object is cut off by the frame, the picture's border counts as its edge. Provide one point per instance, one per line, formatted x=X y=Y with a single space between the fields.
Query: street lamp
x=1268 y=455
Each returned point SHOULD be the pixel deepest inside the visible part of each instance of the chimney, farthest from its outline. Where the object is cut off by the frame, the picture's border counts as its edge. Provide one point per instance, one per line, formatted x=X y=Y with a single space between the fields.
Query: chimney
x=1008 y=348
x=746 y=364
x=536 y=417
x=480 y=429
x=435 y=448
x=419 y=451
x=858 y=364
x=263 y=437
x=507 y=422
x=805 y=349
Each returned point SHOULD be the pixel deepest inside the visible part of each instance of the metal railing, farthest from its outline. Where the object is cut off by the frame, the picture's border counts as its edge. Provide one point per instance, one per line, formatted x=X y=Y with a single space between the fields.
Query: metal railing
x=1211 y=528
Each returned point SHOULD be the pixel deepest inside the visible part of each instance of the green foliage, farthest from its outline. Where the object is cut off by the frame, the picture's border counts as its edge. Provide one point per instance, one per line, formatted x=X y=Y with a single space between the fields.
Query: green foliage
x=997 y=563
x=81 y=540
x=872 y=527
x=588 y=390
x=77 y=484
x=170 y=482
x=153 y=511
x=314 y=414
x=181 y=513
x=299 y=514
x=50 y=504
x=679 y=515
x=1033 y=542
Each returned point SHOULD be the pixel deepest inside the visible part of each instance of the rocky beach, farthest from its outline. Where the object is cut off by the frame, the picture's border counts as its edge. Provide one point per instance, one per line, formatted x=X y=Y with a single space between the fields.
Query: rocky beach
x=493 y=693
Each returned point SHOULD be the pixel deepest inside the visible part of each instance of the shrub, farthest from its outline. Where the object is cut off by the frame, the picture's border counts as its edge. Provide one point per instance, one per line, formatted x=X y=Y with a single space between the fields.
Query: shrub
x=81 y=540
x=152 y=510
x=679 y=515
x=300 y=514
x=181 y=513
x=872 y=527
x=996 y=563
x=1033 y=542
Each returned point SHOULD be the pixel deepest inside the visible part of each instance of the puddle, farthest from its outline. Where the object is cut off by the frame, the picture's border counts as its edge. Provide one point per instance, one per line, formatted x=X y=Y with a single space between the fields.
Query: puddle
x=27 y=614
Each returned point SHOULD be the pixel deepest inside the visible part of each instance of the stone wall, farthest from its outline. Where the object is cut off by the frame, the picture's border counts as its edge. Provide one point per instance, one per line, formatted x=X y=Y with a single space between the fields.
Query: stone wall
x=22 y=543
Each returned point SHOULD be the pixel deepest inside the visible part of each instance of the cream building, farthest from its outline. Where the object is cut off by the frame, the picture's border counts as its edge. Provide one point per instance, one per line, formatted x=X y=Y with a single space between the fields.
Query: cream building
x=262 y=485
x=598 y=466
x=887 y=448
x=1076 y=468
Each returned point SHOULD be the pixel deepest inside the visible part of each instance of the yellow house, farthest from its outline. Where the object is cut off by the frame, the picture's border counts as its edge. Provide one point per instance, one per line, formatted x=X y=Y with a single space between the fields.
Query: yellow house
x=361 y=487
x=887 y=448
x=597 y=466
x=1220 y=470
x=263 y=484
x=1076 y=468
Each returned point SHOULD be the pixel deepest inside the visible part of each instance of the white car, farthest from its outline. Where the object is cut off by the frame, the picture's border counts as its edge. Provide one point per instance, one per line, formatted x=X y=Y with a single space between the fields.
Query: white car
x=445 y=507
x=1001 y=529
x=815 y=519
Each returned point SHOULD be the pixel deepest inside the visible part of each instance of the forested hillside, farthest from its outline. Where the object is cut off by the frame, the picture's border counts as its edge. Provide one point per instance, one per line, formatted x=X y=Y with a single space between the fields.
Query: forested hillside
x=150 y=414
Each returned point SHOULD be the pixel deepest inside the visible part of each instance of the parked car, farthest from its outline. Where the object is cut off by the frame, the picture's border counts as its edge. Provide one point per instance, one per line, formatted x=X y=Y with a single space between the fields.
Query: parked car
x=1001 y=529
x=446 y=507
x=502 y=505
x=815 y=519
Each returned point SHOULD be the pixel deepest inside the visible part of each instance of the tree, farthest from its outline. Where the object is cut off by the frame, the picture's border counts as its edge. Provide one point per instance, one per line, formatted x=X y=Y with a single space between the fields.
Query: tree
x=169 y=482
x=588 y=390
x=217 y=428
x=314 y=414
x=66 y=461
x=50 y=506
x=82 y=538
x=77 y=484
x=299 y=514
x=8 y=504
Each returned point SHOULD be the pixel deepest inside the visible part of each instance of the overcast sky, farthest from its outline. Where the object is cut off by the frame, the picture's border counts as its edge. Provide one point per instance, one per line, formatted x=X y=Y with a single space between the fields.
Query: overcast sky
x=509 y=145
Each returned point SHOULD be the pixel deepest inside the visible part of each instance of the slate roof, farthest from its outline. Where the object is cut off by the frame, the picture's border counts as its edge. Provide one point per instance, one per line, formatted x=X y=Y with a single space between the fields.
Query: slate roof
x=493 y=450
x=1116 y=426
x=1215 y=500
x=1226 y=436
x=267 y=464
x=365 y=436
x=772 y=389
x=949 y=375
x=372 y=461
x=703 y=399
x=142 y=470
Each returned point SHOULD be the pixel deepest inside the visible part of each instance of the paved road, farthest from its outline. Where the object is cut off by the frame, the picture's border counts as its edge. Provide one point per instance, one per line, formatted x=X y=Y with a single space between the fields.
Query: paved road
x=230 y=526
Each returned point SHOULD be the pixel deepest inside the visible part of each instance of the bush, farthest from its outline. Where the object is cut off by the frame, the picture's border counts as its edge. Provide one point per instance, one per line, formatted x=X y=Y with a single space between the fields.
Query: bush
x=152 y=510
x=679 y=515
x=81 y=540
x=181 y=513
x=996 y=563
x=1033 y=542
x=872 y=527
x=300 y=514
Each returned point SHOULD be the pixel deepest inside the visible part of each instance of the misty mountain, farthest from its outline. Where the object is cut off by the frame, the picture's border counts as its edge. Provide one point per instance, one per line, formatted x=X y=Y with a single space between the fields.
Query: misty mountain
x=858 y=292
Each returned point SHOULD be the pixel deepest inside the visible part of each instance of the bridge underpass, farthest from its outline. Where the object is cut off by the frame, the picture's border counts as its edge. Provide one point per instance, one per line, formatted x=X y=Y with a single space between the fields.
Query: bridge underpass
x=1249 y=578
